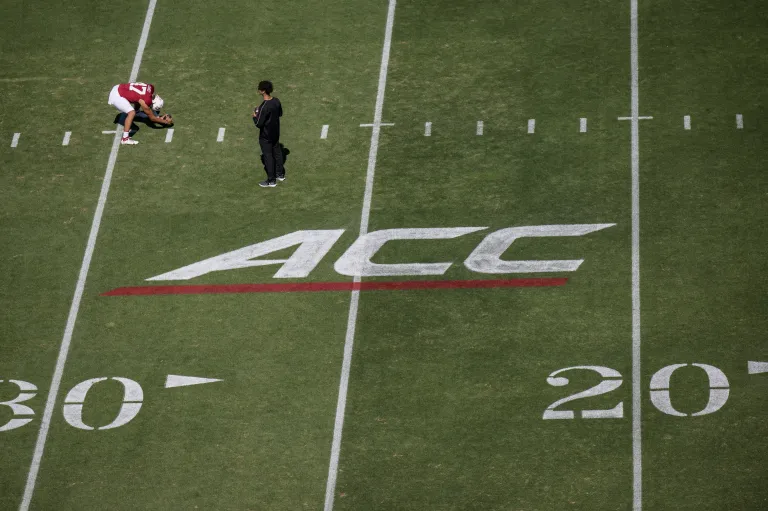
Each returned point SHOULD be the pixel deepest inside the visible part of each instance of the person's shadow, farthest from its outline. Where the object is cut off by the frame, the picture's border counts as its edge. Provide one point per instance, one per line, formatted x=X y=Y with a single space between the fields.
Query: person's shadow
x=142 y=118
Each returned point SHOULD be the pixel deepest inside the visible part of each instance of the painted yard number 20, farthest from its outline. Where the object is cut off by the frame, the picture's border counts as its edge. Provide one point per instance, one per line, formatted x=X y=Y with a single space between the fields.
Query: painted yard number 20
x=660 y=392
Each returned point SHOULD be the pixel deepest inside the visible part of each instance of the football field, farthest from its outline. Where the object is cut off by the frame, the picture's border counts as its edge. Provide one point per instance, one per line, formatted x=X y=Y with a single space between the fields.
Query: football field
x=519 y=261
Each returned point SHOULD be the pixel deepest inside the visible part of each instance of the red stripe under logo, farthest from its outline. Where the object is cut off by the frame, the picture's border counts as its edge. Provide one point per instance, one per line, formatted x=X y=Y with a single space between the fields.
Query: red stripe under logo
x=331 y=286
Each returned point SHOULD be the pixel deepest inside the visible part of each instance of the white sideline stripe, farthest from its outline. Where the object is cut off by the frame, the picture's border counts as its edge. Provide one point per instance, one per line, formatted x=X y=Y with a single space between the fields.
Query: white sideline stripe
x=479 y=128
x=67 y=135
x=169 y=136
x=739 y=122
x=45 y=423
x=583 y=125
x=637 y=460
x=687 y=122
x=531 y=125
x=324 y=132
x=349 y=339
x=427 y=129
x=220 y=137
x=15 y=139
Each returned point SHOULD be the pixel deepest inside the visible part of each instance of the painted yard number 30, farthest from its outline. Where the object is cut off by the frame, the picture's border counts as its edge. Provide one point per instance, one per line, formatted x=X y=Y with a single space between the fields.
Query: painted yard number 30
x=133 y=396
x=718 y=392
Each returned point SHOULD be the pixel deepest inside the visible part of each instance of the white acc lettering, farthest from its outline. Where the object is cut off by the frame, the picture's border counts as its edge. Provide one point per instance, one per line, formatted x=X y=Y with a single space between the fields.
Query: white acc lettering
x=356 y=261
x=313 y=245
x=486 y=258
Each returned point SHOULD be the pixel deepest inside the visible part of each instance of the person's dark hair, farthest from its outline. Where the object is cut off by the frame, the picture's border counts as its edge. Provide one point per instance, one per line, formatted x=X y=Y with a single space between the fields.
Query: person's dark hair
x=266 y=86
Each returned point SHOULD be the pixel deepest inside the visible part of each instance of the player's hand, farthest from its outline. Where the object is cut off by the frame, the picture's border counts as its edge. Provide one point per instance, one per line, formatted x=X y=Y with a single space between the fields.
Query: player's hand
x=255 y=112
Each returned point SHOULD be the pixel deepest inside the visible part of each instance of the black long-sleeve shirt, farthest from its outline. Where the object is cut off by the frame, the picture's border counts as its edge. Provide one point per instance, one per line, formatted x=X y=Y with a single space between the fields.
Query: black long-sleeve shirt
x=268 y=119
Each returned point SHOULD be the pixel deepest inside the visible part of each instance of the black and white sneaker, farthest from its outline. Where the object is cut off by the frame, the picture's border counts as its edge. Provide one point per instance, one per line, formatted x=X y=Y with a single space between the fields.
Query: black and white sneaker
x=281 y=178
x=267 y=184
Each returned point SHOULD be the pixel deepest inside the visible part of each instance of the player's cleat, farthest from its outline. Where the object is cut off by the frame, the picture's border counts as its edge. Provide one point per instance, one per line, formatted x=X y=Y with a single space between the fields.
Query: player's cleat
x=128 y=141
x=267 y=184
x=281 y=178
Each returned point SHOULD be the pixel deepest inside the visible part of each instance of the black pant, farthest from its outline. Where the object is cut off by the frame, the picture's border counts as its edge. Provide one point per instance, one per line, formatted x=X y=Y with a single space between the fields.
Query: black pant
x=272 y=157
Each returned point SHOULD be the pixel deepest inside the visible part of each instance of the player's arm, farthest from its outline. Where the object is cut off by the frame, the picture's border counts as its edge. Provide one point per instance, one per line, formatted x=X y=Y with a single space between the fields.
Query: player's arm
x=152 y=117
x=261 y=116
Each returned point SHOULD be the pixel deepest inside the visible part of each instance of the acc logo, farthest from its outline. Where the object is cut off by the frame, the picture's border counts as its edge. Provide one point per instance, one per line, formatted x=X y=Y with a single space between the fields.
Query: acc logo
x=356 y=261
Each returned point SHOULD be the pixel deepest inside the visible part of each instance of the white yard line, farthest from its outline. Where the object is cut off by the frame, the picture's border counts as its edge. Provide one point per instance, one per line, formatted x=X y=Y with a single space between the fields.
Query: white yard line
x=67 y=136
x=427 y=129
x=324 y=132
x=531 y=126
x=169 y=136
x=739 y=122
x=15 y=139
x=637 y=463
x=220 y=136
x=479 y=128
x=583 y=125
x=687 y=122
x=341 y=404
x=80 y=286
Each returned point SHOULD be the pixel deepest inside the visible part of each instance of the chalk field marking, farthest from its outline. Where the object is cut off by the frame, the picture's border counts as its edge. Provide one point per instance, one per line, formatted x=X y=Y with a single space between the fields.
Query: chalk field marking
x=637 y=463
x=427 y=129
x=169 y=136
x=67 y=136
x=220 y=137
x=531 y=126
x=324 y=132
x=45 y=423
x=739 y=122
x=639 y=118
x=687 y=122
x=583 y=125
x=757 y=367
x=15 y=139
x=479 y=128
x=380 y=124
x=179 y=380
x=349 y=339
x=110 y=132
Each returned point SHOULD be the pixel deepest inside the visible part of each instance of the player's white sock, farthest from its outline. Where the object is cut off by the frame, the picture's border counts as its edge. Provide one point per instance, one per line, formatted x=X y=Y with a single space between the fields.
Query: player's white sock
x=125 y=135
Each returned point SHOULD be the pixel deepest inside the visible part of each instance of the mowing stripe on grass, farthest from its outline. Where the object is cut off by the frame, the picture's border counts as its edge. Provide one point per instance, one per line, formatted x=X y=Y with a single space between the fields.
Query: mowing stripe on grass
x=637 y=464
x=341 y=403
x=298 y=287
x=80 y=286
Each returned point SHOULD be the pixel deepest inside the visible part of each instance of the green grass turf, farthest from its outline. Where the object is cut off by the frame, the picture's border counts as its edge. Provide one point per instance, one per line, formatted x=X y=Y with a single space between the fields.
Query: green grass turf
x=447 y=388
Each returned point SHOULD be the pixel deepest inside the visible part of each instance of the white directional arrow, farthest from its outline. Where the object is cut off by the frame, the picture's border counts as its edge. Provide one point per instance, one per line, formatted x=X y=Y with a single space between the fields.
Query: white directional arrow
x=757 y=367
x=176 y=380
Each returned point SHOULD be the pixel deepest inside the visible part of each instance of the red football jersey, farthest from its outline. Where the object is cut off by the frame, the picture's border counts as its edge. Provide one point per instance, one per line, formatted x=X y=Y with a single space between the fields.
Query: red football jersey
x=133 y=92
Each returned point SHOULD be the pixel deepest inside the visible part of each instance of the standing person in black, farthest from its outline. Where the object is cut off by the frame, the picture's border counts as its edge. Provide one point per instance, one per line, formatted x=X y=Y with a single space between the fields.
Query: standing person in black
x=267 y=118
